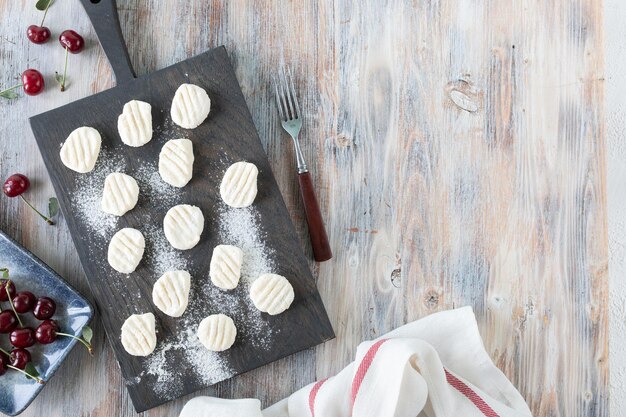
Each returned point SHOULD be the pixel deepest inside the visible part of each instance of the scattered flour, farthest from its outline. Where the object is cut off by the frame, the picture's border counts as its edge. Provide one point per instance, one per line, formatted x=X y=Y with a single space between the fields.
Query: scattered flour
x=160 y=255
x=86 y=200
x=180 y=355
x=240 y=227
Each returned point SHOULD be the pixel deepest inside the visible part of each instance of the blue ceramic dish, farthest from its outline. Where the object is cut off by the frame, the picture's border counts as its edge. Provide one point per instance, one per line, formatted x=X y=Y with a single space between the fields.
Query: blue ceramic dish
x=73 y=313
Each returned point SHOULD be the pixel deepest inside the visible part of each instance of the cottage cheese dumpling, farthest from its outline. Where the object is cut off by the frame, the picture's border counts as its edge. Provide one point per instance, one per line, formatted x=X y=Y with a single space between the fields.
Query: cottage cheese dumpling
x=81 y=149
x=126 y=250
x=225 y=268
x=171 y=292
x=238 y=187
x=191 y=106
x=271 y=293
x=139 y=334
x=217 y=332
x=135 y=123
x=176 y=162
x=120 y=194
x=183 y=225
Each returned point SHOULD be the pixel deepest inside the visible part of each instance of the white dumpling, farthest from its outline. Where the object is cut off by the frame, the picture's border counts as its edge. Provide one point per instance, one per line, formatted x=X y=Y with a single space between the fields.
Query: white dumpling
x=81 y=149
x=238 y=187
x=171 y=292
x=217 y=332
x=191 y=105
x=183 y=225
x=225 y=268
x=126 y=250
x=271 y=293
x=120 y=194
x=176 y=162
x=135 y=123
x=139 y=334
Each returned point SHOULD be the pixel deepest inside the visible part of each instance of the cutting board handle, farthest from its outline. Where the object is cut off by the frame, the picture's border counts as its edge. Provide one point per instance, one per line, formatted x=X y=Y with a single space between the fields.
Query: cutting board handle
x=103 y=16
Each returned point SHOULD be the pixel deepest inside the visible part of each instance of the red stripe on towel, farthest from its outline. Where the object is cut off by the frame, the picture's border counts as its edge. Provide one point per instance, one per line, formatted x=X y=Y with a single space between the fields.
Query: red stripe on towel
x=313 y=394
x=361 y=371
x=470 y=394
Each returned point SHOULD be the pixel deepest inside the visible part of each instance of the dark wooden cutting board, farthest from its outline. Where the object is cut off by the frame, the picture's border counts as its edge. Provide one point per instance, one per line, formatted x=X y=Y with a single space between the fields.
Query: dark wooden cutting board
x=227 y=136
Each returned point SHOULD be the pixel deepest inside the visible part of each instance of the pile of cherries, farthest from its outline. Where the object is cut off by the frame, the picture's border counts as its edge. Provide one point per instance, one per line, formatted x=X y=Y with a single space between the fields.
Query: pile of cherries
x=23 y=337
x=32 y=80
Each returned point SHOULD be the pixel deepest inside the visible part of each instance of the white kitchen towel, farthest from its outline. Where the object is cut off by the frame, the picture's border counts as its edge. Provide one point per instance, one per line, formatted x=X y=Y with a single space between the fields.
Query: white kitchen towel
x=434 y=367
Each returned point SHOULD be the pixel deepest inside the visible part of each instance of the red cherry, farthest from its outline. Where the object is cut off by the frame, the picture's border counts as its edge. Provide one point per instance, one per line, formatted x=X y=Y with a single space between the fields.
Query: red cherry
x=22 y=338
x=19 y=358
x=46 y=332
x=32 y=80
x=38 y=34
x=15 y=185
x=44 y=308
x=72 y=41
x=4 y=284
x=24 y=301
x=8 y=321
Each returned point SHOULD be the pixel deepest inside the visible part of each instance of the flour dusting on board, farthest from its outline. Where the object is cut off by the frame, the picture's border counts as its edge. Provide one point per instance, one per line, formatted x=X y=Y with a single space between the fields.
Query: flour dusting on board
x=160 y=255
x=87 y=198
x=239 y=227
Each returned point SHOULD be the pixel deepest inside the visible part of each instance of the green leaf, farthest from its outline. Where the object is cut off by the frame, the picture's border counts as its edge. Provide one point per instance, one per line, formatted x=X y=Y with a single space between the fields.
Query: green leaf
x=43 y=4
x=53 y=207
x=5 y=273
x=87 y=334
x=31 y=370
x=10 y=95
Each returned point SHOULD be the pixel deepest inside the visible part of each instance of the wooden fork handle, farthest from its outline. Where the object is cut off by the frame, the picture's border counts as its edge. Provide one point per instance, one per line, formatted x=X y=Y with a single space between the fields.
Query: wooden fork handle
x=317 y=232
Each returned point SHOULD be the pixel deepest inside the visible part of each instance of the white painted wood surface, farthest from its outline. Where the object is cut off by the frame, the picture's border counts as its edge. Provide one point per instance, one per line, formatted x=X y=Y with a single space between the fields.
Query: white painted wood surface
x=458 y=151
x=615 y=15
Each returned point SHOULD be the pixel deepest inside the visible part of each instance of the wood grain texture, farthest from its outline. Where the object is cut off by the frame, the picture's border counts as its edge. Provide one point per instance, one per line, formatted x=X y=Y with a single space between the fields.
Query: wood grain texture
x=458 y=154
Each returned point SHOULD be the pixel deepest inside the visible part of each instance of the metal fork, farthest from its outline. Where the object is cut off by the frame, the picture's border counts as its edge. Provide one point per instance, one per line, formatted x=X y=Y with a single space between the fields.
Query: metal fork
x=289 y=112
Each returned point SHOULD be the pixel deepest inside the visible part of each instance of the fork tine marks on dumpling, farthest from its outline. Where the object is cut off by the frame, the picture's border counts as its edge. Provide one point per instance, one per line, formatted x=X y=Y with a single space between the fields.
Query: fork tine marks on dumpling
x=190 y=106
x=225 y=267
x=120 y=194
x=126 y=250
x=271 y=293
x=171 y=292
x=239 y=184
x=176 y=162
x=183 y=225
x=135 y=123
x=139 y=334
x=81 y=149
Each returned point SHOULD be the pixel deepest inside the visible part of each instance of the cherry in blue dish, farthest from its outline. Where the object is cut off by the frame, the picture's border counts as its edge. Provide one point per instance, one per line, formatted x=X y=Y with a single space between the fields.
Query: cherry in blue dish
x=72 y=313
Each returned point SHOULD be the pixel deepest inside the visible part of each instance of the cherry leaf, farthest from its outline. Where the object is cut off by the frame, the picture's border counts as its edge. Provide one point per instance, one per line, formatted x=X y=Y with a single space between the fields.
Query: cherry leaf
x=10 y=95
x=87 y=334
x=5 y=273
x=30 y=369
x=53 y=207
x=43 y=4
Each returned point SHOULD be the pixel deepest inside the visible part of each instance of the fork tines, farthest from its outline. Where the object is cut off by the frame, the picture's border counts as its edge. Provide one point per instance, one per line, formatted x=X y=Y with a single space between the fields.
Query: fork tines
x=286 y=100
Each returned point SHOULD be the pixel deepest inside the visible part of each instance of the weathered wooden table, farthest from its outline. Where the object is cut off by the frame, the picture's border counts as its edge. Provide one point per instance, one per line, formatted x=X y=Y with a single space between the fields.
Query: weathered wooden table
x=458 y=151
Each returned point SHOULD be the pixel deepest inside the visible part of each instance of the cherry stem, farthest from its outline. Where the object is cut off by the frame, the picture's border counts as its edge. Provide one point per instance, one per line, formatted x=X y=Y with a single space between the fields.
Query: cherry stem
x=5 y=352
x=6 y=288
x=45 y=12
x=11 y=88
x=87 y=345
x=39 y=380
x=47 y=219
x=65 y=69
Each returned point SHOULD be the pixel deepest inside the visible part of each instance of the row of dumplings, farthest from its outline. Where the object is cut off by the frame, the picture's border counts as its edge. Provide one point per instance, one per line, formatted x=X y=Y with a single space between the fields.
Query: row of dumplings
x=270 y=293
x=190 y=107
x=183 y=224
